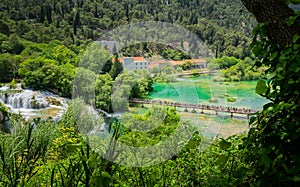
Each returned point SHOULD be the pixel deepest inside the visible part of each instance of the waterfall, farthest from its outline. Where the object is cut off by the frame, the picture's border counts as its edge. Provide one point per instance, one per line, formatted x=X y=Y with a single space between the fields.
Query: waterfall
x=105 y=113
x=30 y=103
x=27 y=99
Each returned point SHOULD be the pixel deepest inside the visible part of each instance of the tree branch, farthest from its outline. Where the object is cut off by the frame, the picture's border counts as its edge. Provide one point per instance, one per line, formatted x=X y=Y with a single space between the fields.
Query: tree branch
x=275 y=13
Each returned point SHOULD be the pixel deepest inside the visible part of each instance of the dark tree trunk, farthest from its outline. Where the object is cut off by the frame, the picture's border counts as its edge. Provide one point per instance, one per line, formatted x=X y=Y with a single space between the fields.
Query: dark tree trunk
x=274 y=12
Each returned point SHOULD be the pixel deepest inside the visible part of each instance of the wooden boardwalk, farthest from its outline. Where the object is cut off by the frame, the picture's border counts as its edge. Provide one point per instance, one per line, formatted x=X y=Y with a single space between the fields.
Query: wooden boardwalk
x=225 y=109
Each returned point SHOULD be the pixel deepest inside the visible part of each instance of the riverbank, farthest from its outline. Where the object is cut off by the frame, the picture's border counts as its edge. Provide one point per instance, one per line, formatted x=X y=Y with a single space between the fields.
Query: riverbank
x=208 y=124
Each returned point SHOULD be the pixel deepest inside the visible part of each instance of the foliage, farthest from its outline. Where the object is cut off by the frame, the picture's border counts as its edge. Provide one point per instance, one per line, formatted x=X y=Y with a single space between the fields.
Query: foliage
x=220 y=164
x=103 y=92
x=7 y=70
x=3 y=117
x=230 y=99
x=48 y=66
x=186 y=65
x=24 y=150
x=233 y=69
x=165 y=74
x=43 y=43
x=222 y=63
x=272 y=143
x=157 y=125
x=174 y=55
x=78 y=23
x=116 y=68
x=95 y=58
x=128 y=85
x=12 y=84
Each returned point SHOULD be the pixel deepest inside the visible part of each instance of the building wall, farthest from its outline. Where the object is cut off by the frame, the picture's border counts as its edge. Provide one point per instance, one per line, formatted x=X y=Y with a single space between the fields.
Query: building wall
x=129 y=64
x=199 y=65
x=141 y=65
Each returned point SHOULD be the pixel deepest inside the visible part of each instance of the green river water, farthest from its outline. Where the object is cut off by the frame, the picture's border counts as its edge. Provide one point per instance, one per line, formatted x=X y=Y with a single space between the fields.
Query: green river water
x=200 y=90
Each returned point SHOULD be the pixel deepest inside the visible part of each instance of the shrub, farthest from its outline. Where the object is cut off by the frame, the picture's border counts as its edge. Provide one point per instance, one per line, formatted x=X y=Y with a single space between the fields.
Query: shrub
x=230 y=99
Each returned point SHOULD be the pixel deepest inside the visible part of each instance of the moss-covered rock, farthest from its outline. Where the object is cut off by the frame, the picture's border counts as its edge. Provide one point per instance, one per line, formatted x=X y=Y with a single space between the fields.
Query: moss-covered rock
x=230 y=99
x=53 y=101
x=3 y=117
x=213 y=100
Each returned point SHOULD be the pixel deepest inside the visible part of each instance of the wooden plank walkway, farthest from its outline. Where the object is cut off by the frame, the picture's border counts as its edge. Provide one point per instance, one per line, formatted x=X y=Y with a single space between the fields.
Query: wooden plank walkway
x=225 y=109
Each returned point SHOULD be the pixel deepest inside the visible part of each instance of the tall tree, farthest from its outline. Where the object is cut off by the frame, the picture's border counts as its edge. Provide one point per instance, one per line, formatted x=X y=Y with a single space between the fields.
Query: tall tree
x=117 y=68
x=272 y=143
x=275 y=13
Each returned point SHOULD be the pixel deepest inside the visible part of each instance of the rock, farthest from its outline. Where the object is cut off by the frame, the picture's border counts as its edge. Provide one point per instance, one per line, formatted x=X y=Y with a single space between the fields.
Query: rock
x=1 y=116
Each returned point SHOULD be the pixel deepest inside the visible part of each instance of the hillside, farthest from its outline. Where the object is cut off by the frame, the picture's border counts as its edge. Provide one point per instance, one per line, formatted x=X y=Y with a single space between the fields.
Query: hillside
x=224 y=25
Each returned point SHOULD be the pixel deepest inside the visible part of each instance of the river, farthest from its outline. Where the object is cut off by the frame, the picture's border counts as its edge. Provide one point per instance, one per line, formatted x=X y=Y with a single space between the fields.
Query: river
x=202 y=90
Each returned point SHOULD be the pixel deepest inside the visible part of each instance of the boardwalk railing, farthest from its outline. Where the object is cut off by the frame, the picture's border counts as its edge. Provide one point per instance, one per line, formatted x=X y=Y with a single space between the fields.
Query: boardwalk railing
x=226 y=109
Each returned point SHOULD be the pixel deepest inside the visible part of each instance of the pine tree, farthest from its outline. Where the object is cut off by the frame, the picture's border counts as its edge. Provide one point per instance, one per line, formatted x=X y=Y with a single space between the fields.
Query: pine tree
x=117 y=68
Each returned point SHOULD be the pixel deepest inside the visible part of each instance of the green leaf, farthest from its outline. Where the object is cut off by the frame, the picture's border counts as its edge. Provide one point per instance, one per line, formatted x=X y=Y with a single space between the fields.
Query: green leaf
x=224 y=144
x=273 y=56
x=258 y=63
x=105 y=175
x=221 y=161
x=261 y=87
x=290 y=21
x=296 y=178
x=252 y=120
x=296 y=2
x=257 y=50
x=295 y=38
x=101 y=180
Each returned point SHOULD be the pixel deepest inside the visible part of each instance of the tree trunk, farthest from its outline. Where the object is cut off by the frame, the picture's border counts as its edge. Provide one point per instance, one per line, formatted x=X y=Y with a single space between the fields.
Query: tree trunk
x=274 y=12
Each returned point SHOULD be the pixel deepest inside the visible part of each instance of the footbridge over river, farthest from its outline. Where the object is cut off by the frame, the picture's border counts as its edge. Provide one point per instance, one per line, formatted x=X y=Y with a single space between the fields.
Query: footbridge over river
x=202 y=107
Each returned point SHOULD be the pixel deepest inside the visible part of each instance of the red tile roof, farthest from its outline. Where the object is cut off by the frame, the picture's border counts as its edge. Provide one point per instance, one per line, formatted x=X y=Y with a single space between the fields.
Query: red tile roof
x=200 y=60
x=152 y=65
x=119 y=60
x=158 y=61
x=193 y=61
x=138 y=59
x=176 y=63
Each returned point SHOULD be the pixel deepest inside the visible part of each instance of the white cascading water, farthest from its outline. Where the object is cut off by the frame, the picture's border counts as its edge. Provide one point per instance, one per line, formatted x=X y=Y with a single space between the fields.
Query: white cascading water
x=26 y=99
x=31 y=103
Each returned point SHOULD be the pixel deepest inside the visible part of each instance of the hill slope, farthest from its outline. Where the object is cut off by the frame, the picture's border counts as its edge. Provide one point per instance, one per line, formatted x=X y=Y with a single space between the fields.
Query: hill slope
x=224 y=25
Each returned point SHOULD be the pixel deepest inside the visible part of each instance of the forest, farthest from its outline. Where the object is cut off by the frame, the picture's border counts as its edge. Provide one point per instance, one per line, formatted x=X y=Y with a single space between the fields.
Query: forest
x=46 y=46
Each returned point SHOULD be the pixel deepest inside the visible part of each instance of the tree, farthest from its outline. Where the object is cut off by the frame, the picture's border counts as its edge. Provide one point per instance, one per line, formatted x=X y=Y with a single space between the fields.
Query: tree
x=107 y=67
x=186 y=65
x=16 y=45
x=22 y=28
x=32 y=64
x=95 y=58
x=272 y=144
x=63 y=55
x=6 y=67
x=103 y=92
x=4 y=28
x=116 y=68
x=278 y=30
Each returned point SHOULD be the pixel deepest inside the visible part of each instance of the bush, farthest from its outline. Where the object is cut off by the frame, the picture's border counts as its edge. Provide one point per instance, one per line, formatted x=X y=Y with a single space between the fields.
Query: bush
x=230 y=99
x=12 y=84
x=195 y=72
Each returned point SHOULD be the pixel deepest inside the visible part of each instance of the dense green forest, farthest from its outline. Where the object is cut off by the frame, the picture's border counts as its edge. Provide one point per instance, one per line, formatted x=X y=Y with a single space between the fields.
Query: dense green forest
x=43 y=43
x=216 y=23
